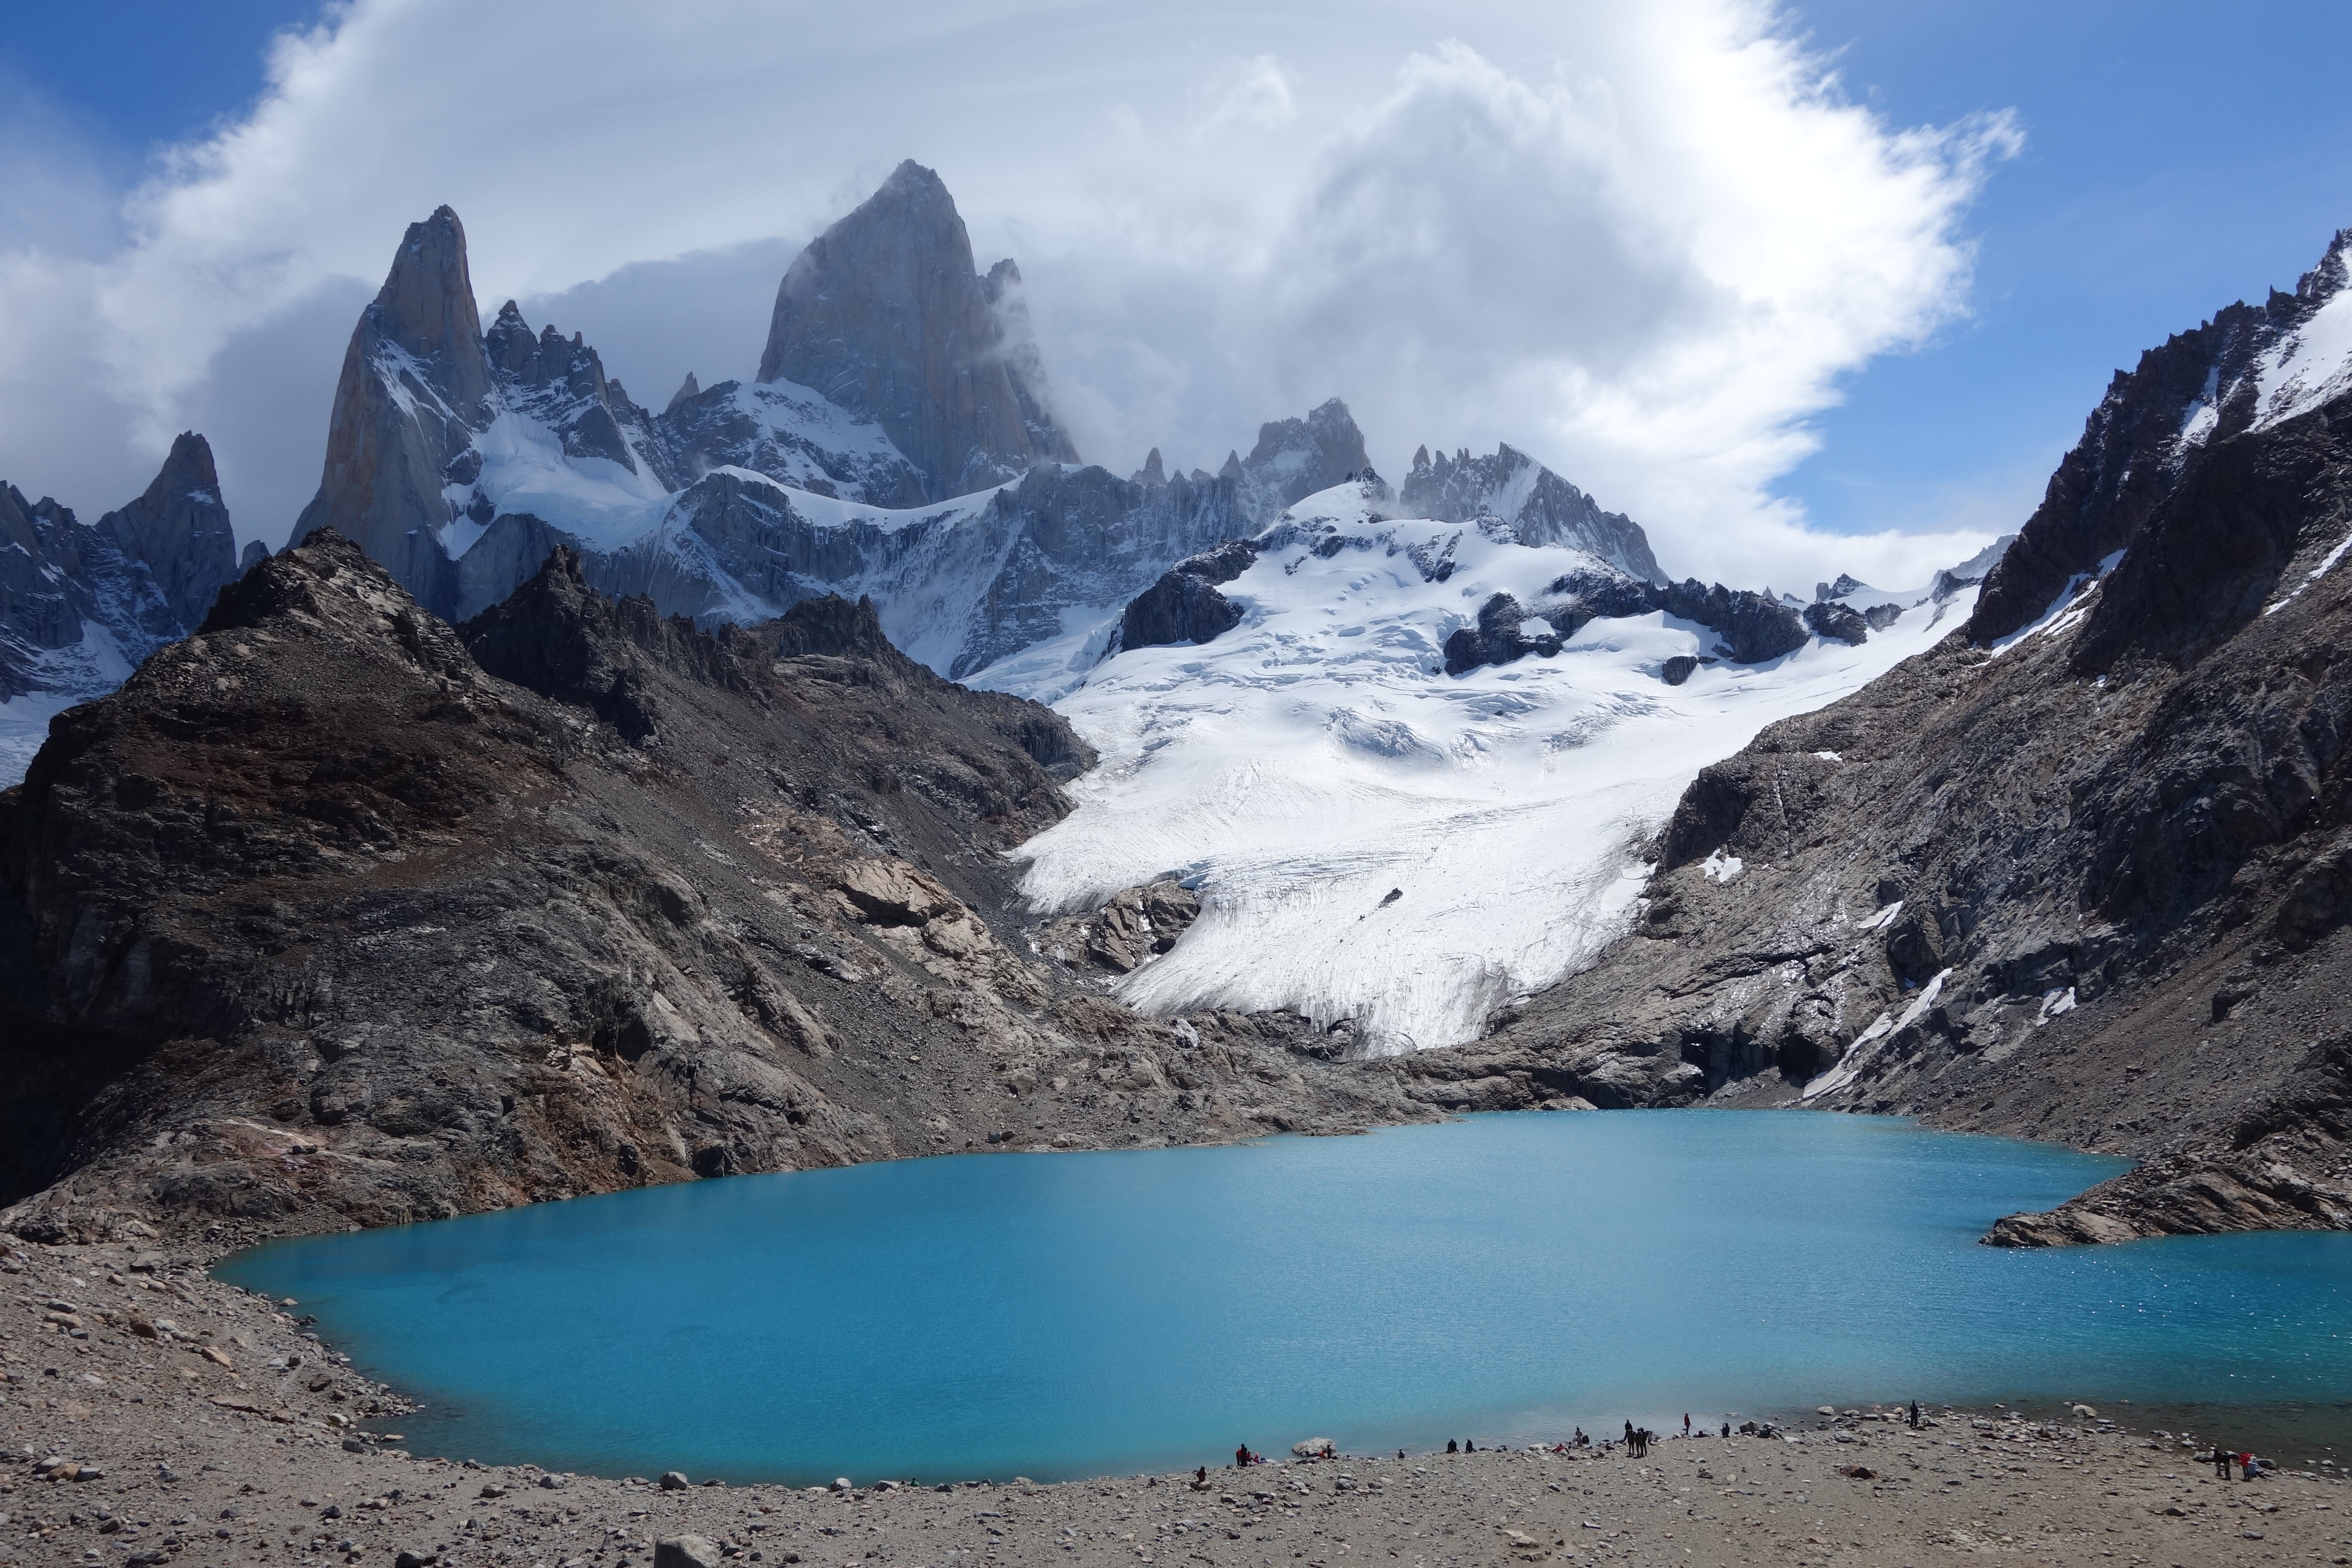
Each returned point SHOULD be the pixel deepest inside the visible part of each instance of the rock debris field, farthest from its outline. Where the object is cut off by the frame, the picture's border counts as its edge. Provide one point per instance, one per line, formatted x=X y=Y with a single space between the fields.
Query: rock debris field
x=153 y=1415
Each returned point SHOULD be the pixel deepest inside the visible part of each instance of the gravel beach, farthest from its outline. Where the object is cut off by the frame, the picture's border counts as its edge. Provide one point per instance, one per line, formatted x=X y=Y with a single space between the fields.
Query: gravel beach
x=153 y=1414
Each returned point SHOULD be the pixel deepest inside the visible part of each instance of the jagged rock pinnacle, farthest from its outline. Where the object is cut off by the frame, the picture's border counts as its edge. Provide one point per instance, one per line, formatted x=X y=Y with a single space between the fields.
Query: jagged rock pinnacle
x=884 y=314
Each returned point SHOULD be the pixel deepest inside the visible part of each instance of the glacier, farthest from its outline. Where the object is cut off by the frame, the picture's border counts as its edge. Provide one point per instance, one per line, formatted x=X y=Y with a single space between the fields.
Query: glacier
x=1371 y=838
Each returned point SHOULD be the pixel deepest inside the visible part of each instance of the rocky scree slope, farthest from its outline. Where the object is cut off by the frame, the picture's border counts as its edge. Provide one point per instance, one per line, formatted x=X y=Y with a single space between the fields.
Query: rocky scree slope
x=2090 y=885
x=338 y=914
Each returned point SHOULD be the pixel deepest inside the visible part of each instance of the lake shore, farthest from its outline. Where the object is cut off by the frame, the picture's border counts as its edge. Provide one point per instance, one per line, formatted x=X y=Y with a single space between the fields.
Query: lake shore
x=194 y=1424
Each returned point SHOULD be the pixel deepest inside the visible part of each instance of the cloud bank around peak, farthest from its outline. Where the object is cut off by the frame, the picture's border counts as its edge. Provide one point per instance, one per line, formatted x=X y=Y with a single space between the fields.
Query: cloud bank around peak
x=1646 y=248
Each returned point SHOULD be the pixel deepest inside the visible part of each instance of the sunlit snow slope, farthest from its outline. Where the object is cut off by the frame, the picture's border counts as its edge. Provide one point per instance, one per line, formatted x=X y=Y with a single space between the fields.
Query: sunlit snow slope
x=1373 y=839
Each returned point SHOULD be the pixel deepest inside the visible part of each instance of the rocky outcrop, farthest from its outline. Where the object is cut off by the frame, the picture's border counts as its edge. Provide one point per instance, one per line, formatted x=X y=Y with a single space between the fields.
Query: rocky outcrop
x=320 y=922
x=2246 y=367
x=1841 y=623
x=180 y=531
x=1752 y=626
x=1498 y=637
x=1537 y=505
x=559 y=383
x=1184 y=605
x=884 y=315
x=1136 y=926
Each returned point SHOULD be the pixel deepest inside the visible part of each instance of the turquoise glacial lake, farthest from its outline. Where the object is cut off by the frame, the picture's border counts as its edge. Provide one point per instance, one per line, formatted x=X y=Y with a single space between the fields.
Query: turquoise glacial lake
x=1499 y=1278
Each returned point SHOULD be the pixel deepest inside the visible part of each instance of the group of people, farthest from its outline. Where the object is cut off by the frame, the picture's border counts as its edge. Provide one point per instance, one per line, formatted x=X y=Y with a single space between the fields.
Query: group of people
x=2248 y=1466
x=1639 y=1438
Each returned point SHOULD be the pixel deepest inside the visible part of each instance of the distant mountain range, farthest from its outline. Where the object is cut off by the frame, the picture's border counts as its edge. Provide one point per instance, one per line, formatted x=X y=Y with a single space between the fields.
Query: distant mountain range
x=899 y=442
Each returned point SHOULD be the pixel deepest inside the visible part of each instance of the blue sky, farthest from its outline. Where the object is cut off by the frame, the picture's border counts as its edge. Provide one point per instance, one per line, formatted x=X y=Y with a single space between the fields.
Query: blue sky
x=2175 y=157
x=2178 y=157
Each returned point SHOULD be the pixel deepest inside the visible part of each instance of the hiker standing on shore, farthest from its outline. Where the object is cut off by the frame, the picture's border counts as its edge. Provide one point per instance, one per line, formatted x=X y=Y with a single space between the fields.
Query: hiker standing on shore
x=2222 y=1457
x=1915 y=1415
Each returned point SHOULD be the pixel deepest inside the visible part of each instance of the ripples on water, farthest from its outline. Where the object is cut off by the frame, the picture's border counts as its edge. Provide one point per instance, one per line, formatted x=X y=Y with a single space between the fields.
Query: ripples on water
x=1499 y=1278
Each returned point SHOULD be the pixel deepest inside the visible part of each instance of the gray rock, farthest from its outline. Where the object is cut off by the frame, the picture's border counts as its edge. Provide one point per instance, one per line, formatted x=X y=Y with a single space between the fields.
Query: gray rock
x=1497 y=638
x=1837 y=623
x=884 y=315
x=1679 y=668
x=1546 y=510
x=1296 y=457
x=673 y=1481
x=1179 y=608
x=180 y=531
x=407 y=405
x=687 y=1552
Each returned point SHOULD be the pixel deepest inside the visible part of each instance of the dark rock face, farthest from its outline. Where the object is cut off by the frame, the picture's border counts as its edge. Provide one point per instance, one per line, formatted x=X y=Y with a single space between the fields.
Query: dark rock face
x=1541 y=507
x=1223 y=563
x=884 y=314
x=1826 y=619
x=2092 y=889
x=1179 y=608
x=1499 y=637
x=1679 y=668
x=180 y=531
x=319 y=922
x=1753 y=627
x=2184 y=397
x=1184 y=605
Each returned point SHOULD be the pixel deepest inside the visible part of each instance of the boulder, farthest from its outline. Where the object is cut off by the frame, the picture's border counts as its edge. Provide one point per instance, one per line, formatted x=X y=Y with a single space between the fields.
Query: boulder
x=687 y=1552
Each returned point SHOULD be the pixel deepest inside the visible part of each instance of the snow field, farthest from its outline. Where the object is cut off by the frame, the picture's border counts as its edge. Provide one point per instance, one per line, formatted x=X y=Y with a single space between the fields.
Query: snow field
x=1302 y=765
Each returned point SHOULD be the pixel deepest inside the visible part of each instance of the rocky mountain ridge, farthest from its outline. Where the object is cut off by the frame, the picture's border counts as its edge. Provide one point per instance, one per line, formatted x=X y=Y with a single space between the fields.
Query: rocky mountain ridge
x=2086 y=883
x=338 y=913
x=2248 y=368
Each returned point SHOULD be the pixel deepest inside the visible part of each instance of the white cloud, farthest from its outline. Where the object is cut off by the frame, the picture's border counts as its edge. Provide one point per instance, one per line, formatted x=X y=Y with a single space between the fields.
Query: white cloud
x=1644 y=245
